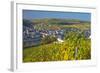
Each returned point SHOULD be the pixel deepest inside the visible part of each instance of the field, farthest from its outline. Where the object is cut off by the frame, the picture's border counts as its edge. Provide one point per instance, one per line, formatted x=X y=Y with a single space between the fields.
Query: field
x=74 y=42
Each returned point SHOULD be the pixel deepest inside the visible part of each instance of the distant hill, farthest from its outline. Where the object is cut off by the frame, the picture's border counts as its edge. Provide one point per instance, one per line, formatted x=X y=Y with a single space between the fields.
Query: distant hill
x=59 y=21
x=56 y=24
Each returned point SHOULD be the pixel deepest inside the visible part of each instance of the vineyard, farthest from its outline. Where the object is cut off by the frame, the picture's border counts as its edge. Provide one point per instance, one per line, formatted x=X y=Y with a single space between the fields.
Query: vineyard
x=75 y=45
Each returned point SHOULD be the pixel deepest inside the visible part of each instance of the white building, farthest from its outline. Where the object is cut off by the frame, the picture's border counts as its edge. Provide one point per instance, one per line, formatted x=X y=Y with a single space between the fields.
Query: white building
x=60 y=40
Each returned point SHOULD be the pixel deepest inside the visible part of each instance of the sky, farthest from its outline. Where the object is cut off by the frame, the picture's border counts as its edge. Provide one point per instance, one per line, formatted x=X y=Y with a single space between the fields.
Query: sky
x=34 y=14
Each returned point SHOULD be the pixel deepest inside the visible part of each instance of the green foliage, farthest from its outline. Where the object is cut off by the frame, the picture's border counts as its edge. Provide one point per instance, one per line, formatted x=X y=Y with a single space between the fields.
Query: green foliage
x=48 y=39
x=60 y=51
x=75 y=46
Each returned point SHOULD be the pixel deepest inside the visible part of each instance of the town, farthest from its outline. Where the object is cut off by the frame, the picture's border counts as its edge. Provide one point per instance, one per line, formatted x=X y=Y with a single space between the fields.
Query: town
x=32 y=36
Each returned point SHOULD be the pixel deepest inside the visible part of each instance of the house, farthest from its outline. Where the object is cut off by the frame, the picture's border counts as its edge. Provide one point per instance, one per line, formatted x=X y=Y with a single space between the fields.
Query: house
x=60 y=40
x=87 y=33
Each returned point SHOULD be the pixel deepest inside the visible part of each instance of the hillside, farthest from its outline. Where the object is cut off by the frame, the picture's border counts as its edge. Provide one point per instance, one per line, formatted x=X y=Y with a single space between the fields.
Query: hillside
x=56 y=39
x=57 y=24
